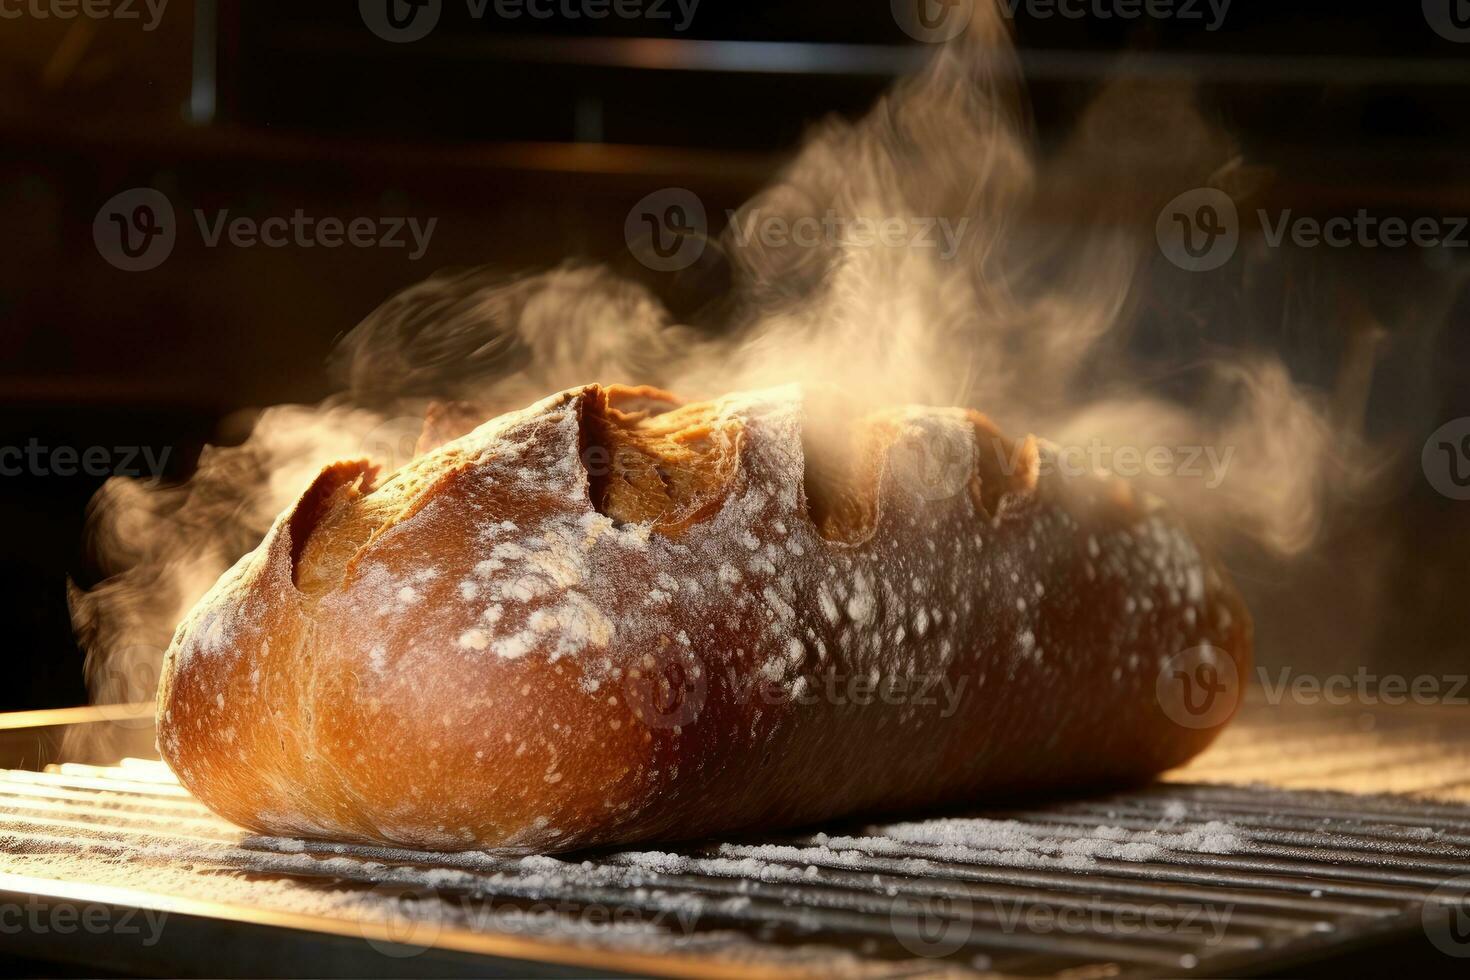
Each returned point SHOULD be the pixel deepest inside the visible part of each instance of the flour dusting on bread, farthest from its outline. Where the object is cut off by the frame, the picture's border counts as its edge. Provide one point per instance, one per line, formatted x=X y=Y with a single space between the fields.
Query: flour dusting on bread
x=612 y=616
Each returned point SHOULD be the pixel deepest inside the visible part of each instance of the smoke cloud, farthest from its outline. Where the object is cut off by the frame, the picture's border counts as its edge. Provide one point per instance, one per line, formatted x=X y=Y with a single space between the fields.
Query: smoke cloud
x=1025 y=310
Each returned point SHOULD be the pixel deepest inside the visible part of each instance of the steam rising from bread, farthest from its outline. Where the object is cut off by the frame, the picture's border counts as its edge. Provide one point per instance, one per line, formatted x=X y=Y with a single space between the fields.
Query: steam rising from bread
x=1030 y=320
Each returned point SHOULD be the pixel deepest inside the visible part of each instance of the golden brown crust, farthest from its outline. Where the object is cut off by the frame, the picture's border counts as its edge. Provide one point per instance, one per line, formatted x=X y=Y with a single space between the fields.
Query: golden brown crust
x=734 y=615
x=664 y=468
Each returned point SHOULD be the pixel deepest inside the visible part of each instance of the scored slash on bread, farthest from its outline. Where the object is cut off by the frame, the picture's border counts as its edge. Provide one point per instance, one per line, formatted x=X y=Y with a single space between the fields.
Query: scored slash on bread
x=614 y=617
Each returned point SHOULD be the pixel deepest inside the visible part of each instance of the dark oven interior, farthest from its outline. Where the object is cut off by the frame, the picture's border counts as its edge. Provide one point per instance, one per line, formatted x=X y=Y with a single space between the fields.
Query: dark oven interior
x=1327 y=833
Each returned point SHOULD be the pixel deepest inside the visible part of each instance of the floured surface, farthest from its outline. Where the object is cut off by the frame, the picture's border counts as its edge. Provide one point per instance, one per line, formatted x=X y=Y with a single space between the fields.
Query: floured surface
x=1225 y=874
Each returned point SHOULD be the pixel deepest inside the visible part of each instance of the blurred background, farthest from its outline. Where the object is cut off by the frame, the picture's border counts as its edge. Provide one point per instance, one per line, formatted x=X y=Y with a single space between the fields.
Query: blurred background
x=528 y=139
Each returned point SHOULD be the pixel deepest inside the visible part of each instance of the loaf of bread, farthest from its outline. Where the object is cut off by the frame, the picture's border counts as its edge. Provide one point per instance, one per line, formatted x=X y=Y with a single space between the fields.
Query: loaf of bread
x=613 y=617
